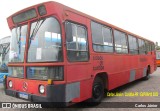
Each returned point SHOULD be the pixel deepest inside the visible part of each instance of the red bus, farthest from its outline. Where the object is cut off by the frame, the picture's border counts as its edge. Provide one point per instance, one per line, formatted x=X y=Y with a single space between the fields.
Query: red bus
x=158 y=57
x=58 y=54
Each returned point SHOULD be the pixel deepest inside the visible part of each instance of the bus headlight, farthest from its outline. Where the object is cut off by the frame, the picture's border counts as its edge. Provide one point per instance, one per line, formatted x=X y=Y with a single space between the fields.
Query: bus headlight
x=10 y=84
x=41 y=89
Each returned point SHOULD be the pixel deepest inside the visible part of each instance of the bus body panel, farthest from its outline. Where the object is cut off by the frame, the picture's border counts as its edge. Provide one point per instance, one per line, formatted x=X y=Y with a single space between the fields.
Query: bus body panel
x=118 y=68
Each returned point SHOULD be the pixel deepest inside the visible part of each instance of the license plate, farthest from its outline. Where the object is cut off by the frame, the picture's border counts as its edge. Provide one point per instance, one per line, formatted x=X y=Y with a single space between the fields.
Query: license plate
x=23 y=95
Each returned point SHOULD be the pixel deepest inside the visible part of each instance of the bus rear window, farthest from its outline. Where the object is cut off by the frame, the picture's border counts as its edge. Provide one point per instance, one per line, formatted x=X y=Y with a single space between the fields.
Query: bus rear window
x=29 y=14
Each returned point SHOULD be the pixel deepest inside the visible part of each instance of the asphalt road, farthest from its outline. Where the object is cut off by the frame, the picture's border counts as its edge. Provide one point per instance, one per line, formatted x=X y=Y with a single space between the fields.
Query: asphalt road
x=132 y=92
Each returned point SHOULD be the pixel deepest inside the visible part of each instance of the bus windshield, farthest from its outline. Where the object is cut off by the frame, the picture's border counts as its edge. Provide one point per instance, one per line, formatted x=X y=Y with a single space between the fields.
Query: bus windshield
x=18 y=41
x=158 y=55
x=45 y=41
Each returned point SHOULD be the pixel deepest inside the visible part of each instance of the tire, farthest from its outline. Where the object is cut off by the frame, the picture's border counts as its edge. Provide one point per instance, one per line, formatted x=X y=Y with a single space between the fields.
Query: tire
x=97 y=92
x=147 y=75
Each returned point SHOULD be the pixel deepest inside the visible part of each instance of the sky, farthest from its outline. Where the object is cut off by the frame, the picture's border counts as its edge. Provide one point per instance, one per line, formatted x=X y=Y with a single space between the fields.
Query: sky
x=141 y=17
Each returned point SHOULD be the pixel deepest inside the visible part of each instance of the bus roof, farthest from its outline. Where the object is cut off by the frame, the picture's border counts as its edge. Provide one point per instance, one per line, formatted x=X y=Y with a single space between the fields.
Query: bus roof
x=74 y=11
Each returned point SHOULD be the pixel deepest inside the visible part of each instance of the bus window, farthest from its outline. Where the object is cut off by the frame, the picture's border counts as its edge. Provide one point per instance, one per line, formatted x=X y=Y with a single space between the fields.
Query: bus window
x=18 y=41
x=102 y=38
x=153 y=47
x=142 y=48
x=16 y=72
x=120 y=42
x=77 y=43
x=45 y=41
x=149 y=47
x=133 y=46
x=146 y=45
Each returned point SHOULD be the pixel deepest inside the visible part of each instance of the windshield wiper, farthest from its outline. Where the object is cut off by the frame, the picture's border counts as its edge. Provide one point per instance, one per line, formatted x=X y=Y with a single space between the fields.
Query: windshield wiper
x=35 y=30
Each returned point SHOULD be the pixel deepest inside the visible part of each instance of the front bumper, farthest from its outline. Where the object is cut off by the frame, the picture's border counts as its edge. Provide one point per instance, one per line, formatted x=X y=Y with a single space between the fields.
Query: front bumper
x=54 y=93
x=57 y=95
x=64 y=94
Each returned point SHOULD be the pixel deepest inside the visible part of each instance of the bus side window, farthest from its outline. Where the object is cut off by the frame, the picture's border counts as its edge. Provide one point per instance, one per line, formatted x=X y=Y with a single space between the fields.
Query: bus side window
x=120 y=42
x=147 y=44
x=133 y=46
x=150 y=47
x=77 y=43
x=142 y=48
x=101 y=37
x=153 y=47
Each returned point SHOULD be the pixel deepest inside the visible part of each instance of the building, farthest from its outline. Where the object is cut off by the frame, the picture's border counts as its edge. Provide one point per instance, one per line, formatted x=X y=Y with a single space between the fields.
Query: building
x=4 y=56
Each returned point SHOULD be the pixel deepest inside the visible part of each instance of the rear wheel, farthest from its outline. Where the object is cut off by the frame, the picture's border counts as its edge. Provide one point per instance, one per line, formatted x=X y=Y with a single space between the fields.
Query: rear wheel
x=97 y=92
x=147 y=75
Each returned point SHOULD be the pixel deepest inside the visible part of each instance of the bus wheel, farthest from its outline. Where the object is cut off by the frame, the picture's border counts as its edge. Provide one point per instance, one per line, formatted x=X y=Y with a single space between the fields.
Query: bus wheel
x=97 y=92
x=147 y=75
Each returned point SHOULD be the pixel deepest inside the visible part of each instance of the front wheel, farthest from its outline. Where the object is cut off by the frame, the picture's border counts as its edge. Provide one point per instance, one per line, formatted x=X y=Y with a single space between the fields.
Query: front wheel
x=97 y=92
